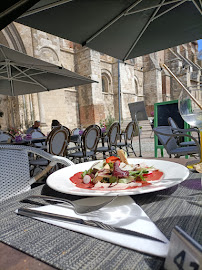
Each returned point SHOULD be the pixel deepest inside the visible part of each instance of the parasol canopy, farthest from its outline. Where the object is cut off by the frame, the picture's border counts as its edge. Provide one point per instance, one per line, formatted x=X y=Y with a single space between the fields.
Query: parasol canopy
x=22 y=74
x=123 y=29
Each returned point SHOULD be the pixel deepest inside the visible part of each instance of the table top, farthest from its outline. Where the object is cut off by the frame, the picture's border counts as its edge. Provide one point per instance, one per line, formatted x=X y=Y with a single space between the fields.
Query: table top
x=64 y=249
x=25 y=142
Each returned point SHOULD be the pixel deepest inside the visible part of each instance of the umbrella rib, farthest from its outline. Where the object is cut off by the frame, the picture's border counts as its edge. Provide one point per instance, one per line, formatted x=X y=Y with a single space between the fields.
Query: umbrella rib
x=144 y=29
x=3 y=66
x=9 y=73
x=19 y=75
x=169 y=9
x=38 y=83
x=143 y=9
x=31 y=74
x=14 y=7
x=17 y=80
x=42 y=8
x=123 y=13
x=196 y=5
x=40 y=68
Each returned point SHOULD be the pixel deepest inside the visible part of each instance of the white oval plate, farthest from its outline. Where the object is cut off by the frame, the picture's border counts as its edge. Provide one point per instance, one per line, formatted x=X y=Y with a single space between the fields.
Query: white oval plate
x=174 y=174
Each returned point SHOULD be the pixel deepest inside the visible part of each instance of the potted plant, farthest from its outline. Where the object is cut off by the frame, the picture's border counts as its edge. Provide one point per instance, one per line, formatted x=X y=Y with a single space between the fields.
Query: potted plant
x=106 y=123
x=138 y=130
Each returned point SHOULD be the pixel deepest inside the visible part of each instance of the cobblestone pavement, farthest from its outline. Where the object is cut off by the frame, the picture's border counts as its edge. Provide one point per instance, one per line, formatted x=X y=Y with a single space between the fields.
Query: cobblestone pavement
x=147 y=147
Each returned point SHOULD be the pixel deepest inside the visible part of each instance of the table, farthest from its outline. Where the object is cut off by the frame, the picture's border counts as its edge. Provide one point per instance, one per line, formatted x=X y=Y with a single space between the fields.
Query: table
x=64 y=249
x=27 y=142
x=75 y=139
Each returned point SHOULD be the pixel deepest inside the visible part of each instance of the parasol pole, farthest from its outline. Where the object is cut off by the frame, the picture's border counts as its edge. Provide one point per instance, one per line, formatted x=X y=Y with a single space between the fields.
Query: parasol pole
x=173 y=75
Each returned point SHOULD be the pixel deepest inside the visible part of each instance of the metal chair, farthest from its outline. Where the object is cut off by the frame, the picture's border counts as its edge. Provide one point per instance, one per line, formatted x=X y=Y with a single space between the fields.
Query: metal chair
x=177 y=130
x=57 y=142
x=169 y=141
x=75 y=139
x=14 y=168
x=37 y=135
x=111 y=139
x=89 y=142
x=128 y=138
x=152 y=126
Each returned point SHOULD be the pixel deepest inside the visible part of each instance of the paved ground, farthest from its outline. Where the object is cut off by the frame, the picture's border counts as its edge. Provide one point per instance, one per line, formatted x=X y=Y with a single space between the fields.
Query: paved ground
x=147 y=146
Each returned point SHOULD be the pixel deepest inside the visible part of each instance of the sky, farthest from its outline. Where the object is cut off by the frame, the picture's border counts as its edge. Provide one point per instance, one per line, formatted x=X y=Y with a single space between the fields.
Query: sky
x=199 y=45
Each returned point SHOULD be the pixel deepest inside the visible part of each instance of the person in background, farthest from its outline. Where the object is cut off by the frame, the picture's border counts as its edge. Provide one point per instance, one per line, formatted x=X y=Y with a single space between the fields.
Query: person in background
x=35 y=126
x=55 y=123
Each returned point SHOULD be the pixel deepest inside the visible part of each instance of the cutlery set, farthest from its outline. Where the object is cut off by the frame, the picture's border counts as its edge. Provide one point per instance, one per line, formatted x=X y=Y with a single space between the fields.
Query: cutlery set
x=80 y=210
x=92 y=223
x=85 y=209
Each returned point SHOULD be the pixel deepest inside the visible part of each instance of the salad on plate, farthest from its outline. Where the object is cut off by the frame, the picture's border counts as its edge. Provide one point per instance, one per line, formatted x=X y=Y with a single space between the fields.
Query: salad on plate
x=115 y=173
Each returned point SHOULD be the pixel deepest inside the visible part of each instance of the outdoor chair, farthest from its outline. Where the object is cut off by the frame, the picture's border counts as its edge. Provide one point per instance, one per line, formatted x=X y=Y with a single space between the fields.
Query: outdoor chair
x=89 y=142
x=37 y=135
x=128 y=138
x=6 y=136
x=57 y=142
x=76 y=140
x=177 y=130
x=111 y=139
x=169 y=142
x=151 y=122
x=14 y=164
x=76 y=131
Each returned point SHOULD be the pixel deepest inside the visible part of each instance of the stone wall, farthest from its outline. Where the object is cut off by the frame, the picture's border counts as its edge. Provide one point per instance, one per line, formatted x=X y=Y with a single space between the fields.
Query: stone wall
x=140 y=79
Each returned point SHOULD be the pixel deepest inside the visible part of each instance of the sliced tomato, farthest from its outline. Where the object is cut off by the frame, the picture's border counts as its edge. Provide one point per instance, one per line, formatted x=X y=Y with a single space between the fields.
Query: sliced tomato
x=146 y=174
x=112 y=159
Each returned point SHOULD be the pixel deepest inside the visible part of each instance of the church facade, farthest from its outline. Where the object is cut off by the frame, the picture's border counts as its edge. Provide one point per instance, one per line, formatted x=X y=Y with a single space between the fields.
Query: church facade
x=137 y=79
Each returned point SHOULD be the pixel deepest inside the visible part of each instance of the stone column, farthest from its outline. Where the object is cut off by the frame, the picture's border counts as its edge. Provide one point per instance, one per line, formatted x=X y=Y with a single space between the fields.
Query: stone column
x=45 y=47
x=91 y=108
x=152 y=80
x=115 y=89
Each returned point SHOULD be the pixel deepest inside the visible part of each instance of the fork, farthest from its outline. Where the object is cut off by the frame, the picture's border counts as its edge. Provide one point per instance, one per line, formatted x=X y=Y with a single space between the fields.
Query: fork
x=78 y=208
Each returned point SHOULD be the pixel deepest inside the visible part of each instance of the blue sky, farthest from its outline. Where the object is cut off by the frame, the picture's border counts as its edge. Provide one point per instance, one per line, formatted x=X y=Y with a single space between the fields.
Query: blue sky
x=199 y=44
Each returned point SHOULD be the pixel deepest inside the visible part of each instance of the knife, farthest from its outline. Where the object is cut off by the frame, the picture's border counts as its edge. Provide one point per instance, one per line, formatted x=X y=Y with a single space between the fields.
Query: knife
x=92 y=223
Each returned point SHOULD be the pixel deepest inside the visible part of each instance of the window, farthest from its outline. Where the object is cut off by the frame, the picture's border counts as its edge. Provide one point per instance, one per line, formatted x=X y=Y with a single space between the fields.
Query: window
x=136 y=85
x=106 y=83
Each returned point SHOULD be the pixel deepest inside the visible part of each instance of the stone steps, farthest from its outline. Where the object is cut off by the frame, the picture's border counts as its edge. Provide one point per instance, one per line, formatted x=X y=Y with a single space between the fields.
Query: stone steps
x=146 y=127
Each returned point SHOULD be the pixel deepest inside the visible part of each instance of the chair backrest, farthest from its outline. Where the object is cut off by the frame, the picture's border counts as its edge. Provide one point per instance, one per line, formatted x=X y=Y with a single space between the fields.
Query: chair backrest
x=14 y=168
x=14 y=172
x=36 y=135
x=58 y=140
x=113 y=133
x=130 y=130
x=167 y=141
x=5 y=136
x=90 y=138
x=75 y=131
x=172 y=123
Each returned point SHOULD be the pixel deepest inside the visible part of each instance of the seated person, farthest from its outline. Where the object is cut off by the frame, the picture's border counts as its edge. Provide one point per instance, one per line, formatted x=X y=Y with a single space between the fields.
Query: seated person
x=55 y=123
x=36 y=126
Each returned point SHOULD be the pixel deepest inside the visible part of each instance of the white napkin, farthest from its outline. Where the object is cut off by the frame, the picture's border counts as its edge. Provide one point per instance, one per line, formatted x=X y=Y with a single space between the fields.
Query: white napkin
x=122 y=212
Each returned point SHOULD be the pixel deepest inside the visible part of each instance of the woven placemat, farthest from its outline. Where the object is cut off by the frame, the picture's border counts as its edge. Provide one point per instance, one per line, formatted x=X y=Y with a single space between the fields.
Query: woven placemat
x=65 y=249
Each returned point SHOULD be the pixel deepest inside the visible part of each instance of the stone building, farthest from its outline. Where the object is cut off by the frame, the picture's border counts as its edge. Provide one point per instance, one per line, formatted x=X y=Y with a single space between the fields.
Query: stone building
x=138 y=79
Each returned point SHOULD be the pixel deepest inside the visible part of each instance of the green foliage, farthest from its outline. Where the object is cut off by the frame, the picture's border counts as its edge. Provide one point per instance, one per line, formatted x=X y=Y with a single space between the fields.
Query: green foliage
x=107 y=122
